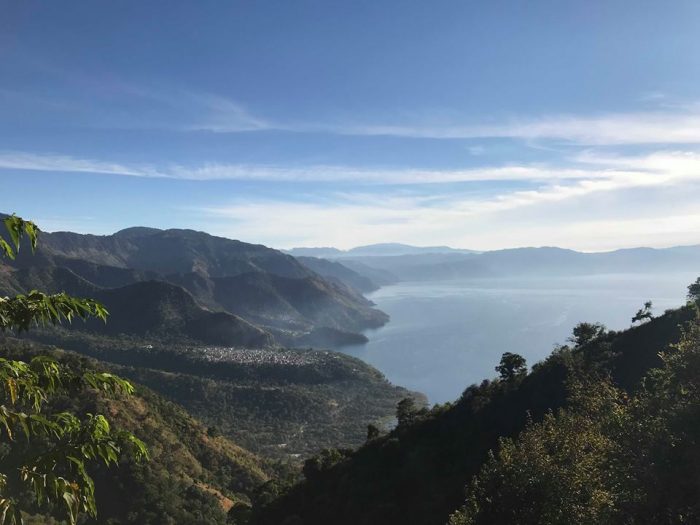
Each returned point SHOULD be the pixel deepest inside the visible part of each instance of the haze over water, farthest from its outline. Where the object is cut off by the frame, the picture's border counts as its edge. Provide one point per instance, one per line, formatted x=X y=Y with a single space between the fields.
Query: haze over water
x=445 y=335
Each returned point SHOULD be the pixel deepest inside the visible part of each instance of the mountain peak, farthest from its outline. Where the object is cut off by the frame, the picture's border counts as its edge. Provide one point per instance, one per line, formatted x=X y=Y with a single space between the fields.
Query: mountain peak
x=136 y=231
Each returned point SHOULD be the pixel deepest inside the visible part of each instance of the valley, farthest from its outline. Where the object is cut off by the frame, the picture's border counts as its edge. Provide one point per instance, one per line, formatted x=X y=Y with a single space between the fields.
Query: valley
x=225 y=341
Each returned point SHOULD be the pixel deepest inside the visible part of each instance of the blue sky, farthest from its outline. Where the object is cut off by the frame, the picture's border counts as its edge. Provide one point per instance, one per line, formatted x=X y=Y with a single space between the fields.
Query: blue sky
x=478 y=124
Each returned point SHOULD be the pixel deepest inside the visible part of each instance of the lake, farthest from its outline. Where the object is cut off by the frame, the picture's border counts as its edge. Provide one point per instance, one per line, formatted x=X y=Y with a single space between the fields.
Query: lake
x=445 y=335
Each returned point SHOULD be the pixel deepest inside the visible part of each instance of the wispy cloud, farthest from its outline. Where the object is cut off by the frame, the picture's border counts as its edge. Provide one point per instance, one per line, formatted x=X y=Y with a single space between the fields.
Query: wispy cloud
x=667 y=124
x=652 y=127
x=315 y=173
x=159 y=107
x=597 y=173
x=623 y=201
x=66 y=163
x=604 y=201
x=222 y=115
x=557 y=216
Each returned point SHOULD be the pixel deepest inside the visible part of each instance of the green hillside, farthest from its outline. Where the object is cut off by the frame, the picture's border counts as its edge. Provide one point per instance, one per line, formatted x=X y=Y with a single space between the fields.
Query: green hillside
x=418 y=472
x=280 y=403
x=193 y=476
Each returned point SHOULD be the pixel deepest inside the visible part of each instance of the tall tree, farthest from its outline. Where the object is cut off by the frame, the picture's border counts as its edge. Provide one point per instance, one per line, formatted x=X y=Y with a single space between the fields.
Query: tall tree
x=511 y=366
x=694 y=291
x=406 y=411
x=584 y=333
x=643 y=314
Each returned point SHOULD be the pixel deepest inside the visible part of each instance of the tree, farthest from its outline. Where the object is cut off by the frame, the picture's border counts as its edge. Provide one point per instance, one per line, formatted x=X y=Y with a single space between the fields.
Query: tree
x=56 y=448
x=239 y=513
x=643 y=314
x=324 y=460
x=372 y=432
x=556 y=472
x=608 y=457
x=511 y=366
x=694 y=291
x=586 y=332
x=406 y=411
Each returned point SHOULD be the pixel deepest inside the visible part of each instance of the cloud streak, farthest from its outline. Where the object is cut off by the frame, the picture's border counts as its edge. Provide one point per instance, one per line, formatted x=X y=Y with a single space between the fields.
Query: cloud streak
x=603 y=202
x=571 y=219
x=190 y=111
x=222 y=171
x=654 y=127
x=678 y=124
x=596 y=174
x=625 y=201
x=66 y=163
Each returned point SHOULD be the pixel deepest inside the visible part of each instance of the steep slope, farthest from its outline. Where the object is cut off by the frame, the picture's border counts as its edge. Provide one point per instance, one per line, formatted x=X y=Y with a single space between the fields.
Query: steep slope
x=257 y=283
x=374 y=274
x=417 y=473
x=172 y=251
x=50 y=279
x=310 y=301
x=150 y=308
x=163 y=310
x=281 y=403
x=192 y=477
x=335 y=271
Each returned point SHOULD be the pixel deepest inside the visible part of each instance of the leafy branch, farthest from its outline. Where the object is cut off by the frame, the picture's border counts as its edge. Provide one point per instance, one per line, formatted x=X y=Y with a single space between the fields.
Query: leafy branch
x=61 y=443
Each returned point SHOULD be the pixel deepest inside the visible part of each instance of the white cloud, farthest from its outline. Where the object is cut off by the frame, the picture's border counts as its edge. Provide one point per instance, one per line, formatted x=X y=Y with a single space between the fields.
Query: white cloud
x=66 y=163
x=671 y=124
x=164 y=107
x=223 y=171
x=605 y=201
x=680 y=126
x=569 y=218
x=648 y=199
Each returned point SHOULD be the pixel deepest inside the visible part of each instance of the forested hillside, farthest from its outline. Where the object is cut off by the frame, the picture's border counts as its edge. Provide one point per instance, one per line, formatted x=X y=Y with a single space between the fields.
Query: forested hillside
x=587 y=436
x=417 y=473
x=79 y=418
x=193 y=475
x=280 y=403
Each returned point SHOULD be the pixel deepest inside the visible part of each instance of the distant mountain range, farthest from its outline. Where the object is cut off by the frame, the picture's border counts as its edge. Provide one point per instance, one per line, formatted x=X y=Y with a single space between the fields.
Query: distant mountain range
x=188 y=285
x=371 y=250
x=439 y=263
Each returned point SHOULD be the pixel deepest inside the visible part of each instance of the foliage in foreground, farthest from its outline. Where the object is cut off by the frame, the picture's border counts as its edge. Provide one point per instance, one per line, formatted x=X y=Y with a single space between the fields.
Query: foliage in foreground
x=50 y=463
x=604 y=459
x=193 y=474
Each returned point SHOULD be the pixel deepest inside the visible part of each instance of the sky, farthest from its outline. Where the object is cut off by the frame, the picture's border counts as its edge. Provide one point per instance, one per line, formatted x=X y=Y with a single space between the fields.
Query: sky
x=475 y=124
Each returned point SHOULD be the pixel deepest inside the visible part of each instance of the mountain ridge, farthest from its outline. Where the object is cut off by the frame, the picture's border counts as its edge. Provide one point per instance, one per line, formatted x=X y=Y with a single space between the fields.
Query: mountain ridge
x=514 y=262
x=230 y=281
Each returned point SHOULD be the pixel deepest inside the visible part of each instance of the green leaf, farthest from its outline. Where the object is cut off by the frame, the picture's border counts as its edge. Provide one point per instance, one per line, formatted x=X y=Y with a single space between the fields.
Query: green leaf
x=67 y=441
x=14 y=226
x=7 y=249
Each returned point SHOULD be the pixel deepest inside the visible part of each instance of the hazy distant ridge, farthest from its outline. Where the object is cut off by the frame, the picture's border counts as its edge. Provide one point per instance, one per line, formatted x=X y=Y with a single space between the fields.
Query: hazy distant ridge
x=382 y=249
x=441 y=263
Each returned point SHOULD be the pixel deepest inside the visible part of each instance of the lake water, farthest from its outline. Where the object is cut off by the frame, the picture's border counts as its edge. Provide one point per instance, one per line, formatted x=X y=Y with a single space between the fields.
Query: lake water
x=444 y=336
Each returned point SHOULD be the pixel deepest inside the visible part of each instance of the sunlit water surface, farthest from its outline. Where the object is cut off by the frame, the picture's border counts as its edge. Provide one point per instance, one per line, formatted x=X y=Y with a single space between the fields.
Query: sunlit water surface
x=446 y=335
